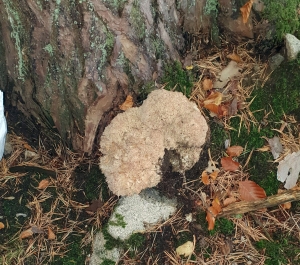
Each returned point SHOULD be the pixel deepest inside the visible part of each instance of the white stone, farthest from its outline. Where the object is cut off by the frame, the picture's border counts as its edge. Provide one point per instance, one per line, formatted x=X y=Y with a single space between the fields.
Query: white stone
x=137 y=210
x=100 y=253
x=292 y=45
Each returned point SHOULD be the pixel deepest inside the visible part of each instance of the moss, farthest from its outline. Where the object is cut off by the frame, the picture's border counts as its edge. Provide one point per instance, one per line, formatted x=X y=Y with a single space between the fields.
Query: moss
x=108 y=262
x=284 y=250
x=211 y=7
x=175 y=75
x=76 y=254
x=119 y=221
x=137 y=20
x=283 y=13
x=183 y=237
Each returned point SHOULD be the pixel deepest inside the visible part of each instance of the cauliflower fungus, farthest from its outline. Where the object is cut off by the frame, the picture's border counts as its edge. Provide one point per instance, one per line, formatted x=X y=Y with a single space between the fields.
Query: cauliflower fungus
x=134 y=143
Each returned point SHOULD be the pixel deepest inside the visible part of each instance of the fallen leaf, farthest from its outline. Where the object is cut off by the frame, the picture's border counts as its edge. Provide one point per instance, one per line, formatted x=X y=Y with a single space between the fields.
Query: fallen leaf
x=246 y=9
x=205 y=177
x=276 y=146
x=229 y=72
x=1 y=225
x=263 y=149
x=36 y=230
x=233 y=107
x=289 y=169
x=216 y=204
x=250 y=191
x=51 y=235
x=229 y=200
x=233 y=56
x=234 y=150
x=186 y=249
x=228 y=164
x=95 y=205
x=207 y=84
x=190 y=67
x=211 y=214
x=28 y=147
x=27 y=233
x=220 y=111
x=44 y=184
x=127 y=104
x=213 y=98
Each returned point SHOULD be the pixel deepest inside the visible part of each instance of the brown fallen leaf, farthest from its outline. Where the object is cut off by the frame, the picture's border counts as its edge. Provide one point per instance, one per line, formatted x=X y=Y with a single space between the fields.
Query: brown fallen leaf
x=28 y=147
x=233 y=56
x=51 y=235
x=1 y=225
x=205 y=177
x=228 y=201
x=228 y=164
x=250 y=191
x=207 y=84
x=27 y=233
x=95 y=205
x=234 y=150
x=44 y=184
x=127 y=104
x=245 y=10
x=213 y=98
x=212 y=212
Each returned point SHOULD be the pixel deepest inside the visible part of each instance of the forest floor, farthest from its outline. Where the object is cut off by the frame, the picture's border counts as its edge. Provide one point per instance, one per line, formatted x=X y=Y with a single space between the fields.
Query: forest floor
x=53 y=201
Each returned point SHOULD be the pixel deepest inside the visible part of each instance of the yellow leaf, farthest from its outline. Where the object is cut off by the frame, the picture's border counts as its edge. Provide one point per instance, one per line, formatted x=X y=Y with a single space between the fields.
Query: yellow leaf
x=186 y=249
x=189 y=67
x=213 y=98
x=127 y=104
x=51 y=235
x=246 y=9
x=44 y=184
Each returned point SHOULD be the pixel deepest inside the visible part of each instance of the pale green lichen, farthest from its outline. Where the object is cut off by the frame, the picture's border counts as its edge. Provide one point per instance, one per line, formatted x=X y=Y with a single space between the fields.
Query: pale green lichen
x=56 y=11
x=211 y=7
x=17 y=32
x=49 y=48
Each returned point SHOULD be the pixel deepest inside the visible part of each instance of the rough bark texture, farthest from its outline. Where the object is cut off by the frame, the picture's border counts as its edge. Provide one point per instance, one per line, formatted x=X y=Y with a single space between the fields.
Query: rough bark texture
x=68 y=63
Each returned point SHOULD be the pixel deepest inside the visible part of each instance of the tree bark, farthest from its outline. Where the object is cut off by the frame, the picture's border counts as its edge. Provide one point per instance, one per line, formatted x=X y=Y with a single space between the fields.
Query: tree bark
x=244 y=207
x=69 y=63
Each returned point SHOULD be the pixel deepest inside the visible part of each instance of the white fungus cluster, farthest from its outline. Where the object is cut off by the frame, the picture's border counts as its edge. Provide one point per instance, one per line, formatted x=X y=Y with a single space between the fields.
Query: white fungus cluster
x=134 y=143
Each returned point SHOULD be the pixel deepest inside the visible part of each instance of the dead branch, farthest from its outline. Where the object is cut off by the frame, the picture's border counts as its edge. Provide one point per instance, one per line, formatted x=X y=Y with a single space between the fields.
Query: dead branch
x=244 y=207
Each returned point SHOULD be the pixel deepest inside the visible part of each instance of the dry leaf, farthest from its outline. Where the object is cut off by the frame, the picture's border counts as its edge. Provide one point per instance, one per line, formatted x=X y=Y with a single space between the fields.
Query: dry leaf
x=28 y=147
x=250 y=191
x=216 y=204
x=95 y=205
x=207 y=84
x=51 y=235
x=229 y=200
x=186 y=249
x=233 y=56
x=211 y=214
x=189 y=67
x=276 y=146
x=44 y=184
x=205 y=177
x=246 y=9
x=127 y=104
x=1 y=225
x=228 y=164
x=220 y=111
x=263 y=149
x=228 y=73
x=213 y=98
x=234 y=150
x=289 y=170
x=27 y=233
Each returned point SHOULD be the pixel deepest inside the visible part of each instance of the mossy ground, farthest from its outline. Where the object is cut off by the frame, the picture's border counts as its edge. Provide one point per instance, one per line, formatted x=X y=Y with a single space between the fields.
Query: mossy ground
x=279 y=98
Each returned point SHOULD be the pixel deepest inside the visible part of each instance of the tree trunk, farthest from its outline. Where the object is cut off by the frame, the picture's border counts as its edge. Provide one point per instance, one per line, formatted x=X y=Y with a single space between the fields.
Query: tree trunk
x=69 y=63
